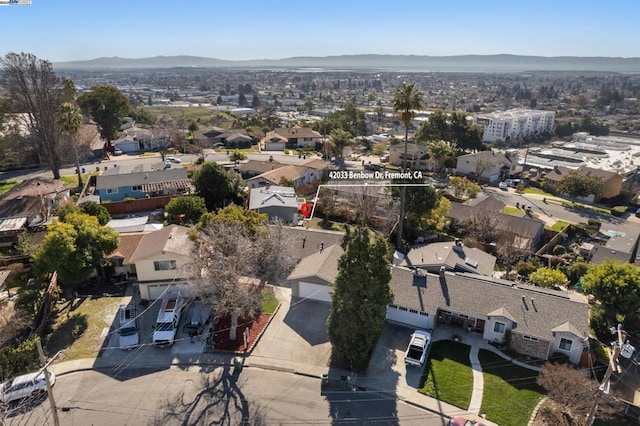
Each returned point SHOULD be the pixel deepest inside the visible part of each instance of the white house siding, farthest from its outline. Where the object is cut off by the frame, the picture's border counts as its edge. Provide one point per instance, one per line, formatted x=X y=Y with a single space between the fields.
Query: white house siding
x=314 y=291
x=576 y=346
x=146 y=271
x=493 y=336
x=410 y=317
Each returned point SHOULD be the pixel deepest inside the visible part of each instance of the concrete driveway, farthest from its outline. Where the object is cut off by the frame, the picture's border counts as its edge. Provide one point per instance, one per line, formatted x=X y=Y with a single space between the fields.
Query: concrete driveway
x=387 y=365
x=296 y=335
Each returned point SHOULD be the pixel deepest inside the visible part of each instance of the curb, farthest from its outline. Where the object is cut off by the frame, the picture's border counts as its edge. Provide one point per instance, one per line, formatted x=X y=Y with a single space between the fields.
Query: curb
x=144 y=367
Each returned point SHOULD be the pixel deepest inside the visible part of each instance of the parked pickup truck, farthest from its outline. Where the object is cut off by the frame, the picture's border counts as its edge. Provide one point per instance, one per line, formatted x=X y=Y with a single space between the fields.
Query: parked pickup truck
x=417 y=350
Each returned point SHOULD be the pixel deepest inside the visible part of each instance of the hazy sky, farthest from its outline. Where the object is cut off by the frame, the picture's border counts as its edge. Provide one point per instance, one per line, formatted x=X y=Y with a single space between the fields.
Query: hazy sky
x=61 y=30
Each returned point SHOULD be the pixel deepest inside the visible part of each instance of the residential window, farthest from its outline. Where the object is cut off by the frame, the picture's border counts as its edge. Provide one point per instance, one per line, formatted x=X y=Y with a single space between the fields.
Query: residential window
x=112 y=190
x=137 y=187
x=393 y=306
x=424 y=314
x=565 y=344
x=164 y=265
x=402 y=308
x=533 y=339
x=413 y=311
x=499 y=327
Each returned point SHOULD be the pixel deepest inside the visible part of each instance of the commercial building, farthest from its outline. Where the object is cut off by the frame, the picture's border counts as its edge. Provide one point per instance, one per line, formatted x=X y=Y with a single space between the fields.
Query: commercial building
x=515 y=123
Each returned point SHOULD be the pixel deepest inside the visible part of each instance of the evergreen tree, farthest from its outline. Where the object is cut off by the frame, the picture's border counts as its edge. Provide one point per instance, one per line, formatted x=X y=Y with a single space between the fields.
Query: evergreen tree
x=360 y=297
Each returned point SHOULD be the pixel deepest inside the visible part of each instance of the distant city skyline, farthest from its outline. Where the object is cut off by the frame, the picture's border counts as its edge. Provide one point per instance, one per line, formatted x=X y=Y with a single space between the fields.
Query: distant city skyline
x=69 y=30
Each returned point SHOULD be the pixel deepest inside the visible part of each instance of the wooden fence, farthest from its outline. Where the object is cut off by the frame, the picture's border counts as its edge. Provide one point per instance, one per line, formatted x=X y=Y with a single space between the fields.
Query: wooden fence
x=43 y=313
x=137 y=206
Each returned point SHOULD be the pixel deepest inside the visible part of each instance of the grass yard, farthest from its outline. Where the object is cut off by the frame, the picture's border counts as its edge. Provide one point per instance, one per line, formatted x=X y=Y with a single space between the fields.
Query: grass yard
x=6 y=185
x=512 y=210
x=536 y=191
x=269 y=302
x=78 y=328
x=72 y=180
x=448 y=374
x=559 y=225
x=319 y=223
x=510 y=391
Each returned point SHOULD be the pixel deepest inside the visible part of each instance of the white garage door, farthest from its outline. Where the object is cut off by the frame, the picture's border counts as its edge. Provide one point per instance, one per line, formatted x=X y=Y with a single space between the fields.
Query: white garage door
x=409 y=317
x=156 y=290
x=314 y=291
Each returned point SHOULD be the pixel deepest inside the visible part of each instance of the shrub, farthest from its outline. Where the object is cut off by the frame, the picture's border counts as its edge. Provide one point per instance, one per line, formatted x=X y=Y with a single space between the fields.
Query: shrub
x=286 y=151
x=618 y=211
x=559 y=249
x=19 y=358
x=525 y=268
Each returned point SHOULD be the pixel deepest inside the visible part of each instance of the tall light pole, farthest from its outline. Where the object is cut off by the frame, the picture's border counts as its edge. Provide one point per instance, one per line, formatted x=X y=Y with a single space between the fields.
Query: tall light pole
x=52 y=401
x=618 y=347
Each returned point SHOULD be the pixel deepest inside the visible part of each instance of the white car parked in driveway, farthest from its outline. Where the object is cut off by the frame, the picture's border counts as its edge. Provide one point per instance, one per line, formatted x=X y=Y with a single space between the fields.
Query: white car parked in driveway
x=417 y=349
x=173 y=159
x=25 y=386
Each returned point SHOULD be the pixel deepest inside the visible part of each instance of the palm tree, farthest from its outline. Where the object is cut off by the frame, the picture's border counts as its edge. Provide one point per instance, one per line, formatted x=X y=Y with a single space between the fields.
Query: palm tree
x=340 y=140
x=70 y=120
x=405 y=101
x=439 y=150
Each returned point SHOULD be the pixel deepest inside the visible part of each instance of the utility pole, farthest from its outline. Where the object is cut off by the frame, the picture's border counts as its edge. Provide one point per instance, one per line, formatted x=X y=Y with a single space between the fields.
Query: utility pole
x=618 y=347
x=52 y=401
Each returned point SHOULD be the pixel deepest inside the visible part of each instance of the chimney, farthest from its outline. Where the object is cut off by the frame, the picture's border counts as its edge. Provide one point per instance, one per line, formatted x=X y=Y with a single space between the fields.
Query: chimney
x=442 y=269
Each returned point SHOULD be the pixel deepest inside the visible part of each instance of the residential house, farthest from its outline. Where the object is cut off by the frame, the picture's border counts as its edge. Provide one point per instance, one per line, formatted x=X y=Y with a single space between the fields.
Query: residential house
x=314 y=276
x=160 y=258
x=487 y=166
x=34 y=199
x=117 y=187
x=278 y=202
x=417 y=157
x=526 y=230
x=236 y=138
x=207 y=137
x=298 y=175
x=610 y=187
x=137 y=139
x=529 y=320
x=452 y=256
x=252 y=168
x=290 y=138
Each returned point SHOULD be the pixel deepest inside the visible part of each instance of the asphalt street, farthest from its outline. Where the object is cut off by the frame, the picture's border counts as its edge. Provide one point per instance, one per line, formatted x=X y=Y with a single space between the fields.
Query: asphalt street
x=196 y=396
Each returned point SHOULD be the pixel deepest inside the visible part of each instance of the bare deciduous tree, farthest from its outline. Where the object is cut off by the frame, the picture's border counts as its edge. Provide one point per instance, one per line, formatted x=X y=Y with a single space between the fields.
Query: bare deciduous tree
x=574 y=391
x=35 y=91
x=226 y=255
x=163 y=132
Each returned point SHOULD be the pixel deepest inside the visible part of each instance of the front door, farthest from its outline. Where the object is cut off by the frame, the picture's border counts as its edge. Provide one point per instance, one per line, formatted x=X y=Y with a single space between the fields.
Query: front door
x=480 y=325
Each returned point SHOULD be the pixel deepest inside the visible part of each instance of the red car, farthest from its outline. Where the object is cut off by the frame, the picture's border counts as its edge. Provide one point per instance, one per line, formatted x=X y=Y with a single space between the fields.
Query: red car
x=461 y=421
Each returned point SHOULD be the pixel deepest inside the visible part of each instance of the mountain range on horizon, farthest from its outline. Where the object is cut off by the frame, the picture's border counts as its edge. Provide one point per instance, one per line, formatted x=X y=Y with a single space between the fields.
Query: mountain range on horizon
x=410 y=63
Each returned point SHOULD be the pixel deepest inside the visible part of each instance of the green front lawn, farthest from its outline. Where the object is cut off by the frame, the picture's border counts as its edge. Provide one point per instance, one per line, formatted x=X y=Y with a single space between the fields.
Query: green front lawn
x=559 y=225
x=536 y=191
x=79 y=327
x=269 y=302
x=512 y=210
x=510 y=391
x=449 y=377
x=6 y=185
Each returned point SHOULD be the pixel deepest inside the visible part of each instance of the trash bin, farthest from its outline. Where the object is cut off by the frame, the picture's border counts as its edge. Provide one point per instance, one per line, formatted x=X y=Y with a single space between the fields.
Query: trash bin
x=83 y=170
x=237 y=364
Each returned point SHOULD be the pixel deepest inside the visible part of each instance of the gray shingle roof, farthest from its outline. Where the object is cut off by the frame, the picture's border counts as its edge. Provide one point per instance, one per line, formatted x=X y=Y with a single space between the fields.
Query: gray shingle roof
x=322 y=264
x=172 y=239
x=453 y=257
x=537 y=315
x=313 y=238
x=273 y=196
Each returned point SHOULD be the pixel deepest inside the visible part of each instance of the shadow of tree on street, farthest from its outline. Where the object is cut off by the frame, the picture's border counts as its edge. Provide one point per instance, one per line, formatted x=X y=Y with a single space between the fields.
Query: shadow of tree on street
x=221 y=401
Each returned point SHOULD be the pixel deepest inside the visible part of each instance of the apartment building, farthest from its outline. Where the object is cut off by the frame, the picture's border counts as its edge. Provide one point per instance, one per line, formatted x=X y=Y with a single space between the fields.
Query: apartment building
x=515 y=123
